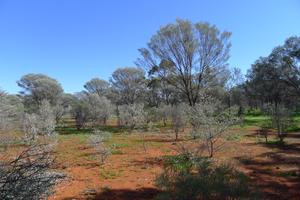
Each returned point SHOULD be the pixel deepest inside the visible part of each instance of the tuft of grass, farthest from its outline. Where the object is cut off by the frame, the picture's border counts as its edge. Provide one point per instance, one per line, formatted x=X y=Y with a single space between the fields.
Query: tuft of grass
x=166 y=150
x=271 y=141
x=72 y=131
x=109 y=174
x=233 y=137
x=119 y=145
x=117 y=152
x=275 y=142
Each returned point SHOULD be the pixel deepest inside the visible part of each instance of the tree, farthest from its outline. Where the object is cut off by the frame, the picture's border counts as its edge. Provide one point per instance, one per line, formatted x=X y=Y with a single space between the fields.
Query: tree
x=187 y=56
x=276 y=78
x=97 y=140
x=29 y=175
x=160 y=92
x=132 y=115
x=99 y=108
x=264 y=83
x=128 y=85
x=211 y=121
x=80 y=111
x=30 y=127
x=165 y=112
x=42 y=123
x=178 y=118
x=235 y=80
x=281 y=118
x=286 y=58
x=62 y=107
x=274 y=81
x=39 y=87
x=11 y=110
x=97 y=86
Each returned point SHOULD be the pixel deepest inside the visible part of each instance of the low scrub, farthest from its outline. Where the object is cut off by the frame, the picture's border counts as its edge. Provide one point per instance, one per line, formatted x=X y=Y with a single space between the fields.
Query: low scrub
x=187 y=178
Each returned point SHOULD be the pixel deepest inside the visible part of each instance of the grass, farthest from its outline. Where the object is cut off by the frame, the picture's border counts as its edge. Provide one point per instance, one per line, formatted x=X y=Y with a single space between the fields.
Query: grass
x=117 y=152
x=166 y=150
x=110 y=174
x=119 y=145
x=271 y=141
x=275 y=142
x=256 y=120
x=288 y=174
x=234 y=137
x=261 y=120
x=80 y=138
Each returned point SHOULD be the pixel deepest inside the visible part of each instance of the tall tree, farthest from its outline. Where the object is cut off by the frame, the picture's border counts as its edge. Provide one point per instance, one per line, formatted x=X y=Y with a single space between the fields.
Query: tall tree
x=98 y=86
x=286 y=58
x=39 y=87
x=187 y=56
x=128 y=85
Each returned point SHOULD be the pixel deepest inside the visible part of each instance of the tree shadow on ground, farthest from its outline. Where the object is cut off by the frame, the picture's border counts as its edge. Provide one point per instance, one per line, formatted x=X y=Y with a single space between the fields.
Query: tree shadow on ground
x=276 y=171
x=121 y=194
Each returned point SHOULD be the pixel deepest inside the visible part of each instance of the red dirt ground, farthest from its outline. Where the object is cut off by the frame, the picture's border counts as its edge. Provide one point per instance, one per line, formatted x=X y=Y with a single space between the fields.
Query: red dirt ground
x=130 y=175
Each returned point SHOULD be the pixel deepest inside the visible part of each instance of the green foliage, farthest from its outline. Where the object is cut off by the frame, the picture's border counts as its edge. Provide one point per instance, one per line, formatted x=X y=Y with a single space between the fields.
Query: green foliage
x=275 y=142
x=187 y=178
x=256 y=120
x=254 y=112
x=119 y=145
x=116 y=152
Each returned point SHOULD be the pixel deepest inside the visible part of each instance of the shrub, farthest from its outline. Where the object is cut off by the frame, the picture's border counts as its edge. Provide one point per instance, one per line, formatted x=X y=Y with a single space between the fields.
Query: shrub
x=210 y=121
x=186 y=178
x=97 y=142
x=179 y=118
x=28 y=176
x=132 y=116
x=38 y=124
x=281 y=119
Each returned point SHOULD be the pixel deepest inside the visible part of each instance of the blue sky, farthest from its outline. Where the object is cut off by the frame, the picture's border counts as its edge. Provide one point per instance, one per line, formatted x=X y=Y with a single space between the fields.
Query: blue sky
x=76 y=40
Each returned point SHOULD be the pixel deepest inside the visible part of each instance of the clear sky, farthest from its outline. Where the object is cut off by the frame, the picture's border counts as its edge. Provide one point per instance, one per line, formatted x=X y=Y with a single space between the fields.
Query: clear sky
x=76 y=40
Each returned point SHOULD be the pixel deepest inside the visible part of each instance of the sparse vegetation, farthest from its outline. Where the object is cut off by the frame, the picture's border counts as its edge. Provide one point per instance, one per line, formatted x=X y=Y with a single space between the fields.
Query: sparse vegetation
x=194 y=117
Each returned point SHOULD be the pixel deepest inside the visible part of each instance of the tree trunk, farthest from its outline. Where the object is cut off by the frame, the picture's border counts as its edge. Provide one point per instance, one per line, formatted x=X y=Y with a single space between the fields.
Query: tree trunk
x=211 y=149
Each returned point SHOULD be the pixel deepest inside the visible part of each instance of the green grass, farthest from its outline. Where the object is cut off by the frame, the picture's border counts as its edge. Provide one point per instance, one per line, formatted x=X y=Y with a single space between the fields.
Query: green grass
x=119 y=145
x=73 y=131
x=256 y=120
x=262 y=120
x=275 y=142
x=117 y=152
x=233 y=137
x=271 y=141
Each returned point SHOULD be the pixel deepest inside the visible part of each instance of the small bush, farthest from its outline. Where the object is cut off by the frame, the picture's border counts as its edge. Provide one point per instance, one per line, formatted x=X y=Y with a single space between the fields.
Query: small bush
x=97 y=140
x=187 y=178
x=29 y=175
